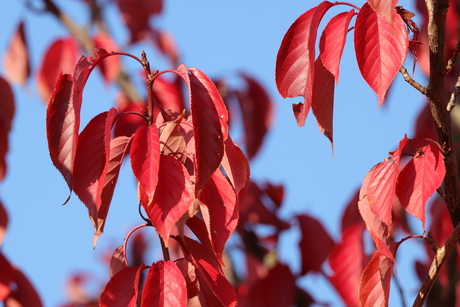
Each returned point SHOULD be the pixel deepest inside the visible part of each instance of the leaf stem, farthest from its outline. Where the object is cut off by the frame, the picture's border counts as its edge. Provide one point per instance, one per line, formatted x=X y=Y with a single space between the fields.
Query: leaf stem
x=125 y=242
x=164 y=249
x=349 y=4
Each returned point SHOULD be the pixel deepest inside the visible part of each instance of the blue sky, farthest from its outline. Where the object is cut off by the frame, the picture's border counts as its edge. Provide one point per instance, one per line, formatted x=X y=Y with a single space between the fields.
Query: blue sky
x=49 y=241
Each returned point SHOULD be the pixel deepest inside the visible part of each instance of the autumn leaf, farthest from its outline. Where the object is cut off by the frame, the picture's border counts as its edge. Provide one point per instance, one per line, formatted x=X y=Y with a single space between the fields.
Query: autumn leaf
x=91 y=166
x=380 y=48
x=315 y=244
x=236 y=167
x=332 y=42
x=374 y=290
x=419 y=179
x=16 y=58
x=346 y=261
x=209 y=119
x=23 y=293
x=323 y=99
x=60 y=57
x=257 y=114
x=385 y=8
x=7 y=110
x=295 y=60
x=381 y=187
x=110 y=67
x=219 y=210
x=122 y=289
x=173 y=196
x=164 y=286
x=145 y=159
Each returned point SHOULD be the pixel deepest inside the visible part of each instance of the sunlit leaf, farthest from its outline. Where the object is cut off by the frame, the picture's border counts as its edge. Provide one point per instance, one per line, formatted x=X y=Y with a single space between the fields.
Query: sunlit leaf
x=380 y=48
x=419 y=179
x=219 y=210
x=333 y=40
x=236 y=167
x=122 y=289
x=294 y=63
x=164 y=286
x=374 y=290
x=385 y=8
x=173 y=196
x=145 y=159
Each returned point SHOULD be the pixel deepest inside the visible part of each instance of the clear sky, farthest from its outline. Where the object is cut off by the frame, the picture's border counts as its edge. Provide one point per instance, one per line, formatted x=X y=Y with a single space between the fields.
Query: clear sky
x=49 y=241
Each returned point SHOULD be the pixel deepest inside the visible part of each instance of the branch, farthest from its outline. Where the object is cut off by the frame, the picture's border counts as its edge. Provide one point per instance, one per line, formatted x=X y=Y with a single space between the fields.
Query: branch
x=437 y=12
x=453 y=97
x=411 y=81
x=86 y=43
x=440 y=257
x=454 y=58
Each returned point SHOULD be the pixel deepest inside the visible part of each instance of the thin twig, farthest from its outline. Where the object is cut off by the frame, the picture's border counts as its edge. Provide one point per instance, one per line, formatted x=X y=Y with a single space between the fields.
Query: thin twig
x=453 y=59
x=453 y=97
x=411 y=81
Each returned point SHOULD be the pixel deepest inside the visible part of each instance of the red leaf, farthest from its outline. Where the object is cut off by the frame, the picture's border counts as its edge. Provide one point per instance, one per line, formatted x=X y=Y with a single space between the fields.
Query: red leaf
x=188 y=272
x=136 y=15
x=266 y=292
x=419 y=180
x=380 y=48
x=164 y=286
x=173 y=196
x=385 y=8
x=323 y=99
x=7 y=110
x=381 y=189
x=110 y=67
x=122 y=289
x=315 y=244
x=257 y=113
x=119 y=147
x=168 y=94
x=16 y=57
x=63 y=115
x=24 y=293
x=346 y=261
x=145 y=159
x=3 y=222
x=333 y=40
x=118 y=261
x=126 y=123
x=377 y=229
x=236 y=167
x=165 y=43
x=220 y=211
x=210 y=128
x=209 y=275
x=374 y=289
x=91 y=167
x=253 y=210
x=6 y=277
x=60 y=57
x=294 y=62
x=62 y=123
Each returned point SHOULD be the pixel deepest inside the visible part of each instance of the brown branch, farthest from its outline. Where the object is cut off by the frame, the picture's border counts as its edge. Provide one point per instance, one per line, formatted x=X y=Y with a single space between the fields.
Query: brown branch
x=453 y=97
x=86 y=43
x=440 y=258
x=437 y=11
x=411 y=81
